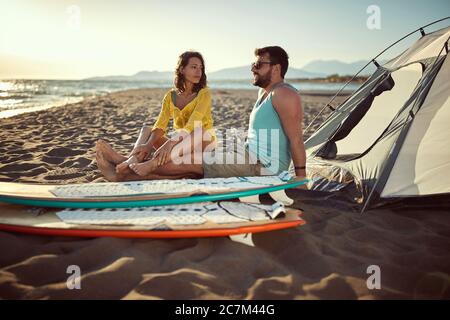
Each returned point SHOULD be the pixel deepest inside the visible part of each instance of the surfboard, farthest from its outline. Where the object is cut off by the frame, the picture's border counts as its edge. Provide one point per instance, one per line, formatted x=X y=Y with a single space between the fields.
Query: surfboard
x=205 y=219
x=148 y=193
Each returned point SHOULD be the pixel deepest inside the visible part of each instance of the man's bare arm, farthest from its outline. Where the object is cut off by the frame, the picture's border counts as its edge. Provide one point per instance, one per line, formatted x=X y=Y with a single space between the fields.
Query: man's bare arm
x=288 y=105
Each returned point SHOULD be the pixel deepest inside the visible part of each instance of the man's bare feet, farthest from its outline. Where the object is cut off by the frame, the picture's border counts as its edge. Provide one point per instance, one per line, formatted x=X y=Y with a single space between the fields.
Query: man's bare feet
x=106 y=167
x=109 y=153
x=145 y=168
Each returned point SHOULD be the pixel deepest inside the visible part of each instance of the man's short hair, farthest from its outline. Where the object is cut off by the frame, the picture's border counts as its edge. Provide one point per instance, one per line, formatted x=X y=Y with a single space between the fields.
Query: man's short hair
x=277 y=56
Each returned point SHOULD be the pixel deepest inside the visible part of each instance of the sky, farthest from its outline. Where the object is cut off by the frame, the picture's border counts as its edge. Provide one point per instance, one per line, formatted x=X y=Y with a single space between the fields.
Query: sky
x=61 y=39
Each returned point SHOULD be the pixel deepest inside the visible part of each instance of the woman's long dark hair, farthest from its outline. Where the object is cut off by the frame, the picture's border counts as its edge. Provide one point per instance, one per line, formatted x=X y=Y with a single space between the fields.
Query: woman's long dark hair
x=179 y=80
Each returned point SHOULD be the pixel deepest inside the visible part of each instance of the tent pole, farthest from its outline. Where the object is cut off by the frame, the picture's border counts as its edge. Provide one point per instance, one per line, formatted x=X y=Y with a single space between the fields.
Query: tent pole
x=373 y=60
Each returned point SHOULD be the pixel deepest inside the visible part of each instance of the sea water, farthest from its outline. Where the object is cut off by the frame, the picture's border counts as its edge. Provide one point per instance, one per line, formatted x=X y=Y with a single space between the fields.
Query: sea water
x=19 y=96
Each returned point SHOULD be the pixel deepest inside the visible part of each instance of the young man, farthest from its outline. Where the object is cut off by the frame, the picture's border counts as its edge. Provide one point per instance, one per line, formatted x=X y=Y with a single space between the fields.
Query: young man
x=278 y=110
x=274 y=135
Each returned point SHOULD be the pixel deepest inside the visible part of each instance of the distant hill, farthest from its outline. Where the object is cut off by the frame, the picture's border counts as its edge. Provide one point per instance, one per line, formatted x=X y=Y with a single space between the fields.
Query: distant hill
x=238 y=73
x=329 y=67
x=244 y=73
x=314 y=69
x=140 y=76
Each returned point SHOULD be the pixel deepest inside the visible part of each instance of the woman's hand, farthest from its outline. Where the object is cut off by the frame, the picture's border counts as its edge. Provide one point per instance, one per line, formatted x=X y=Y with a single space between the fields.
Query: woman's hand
x=141 y=151
x=163 y=153
x=179 y=135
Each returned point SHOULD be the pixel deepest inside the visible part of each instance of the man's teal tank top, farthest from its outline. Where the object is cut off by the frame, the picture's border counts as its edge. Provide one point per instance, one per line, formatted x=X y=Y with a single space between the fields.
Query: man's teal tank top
x=266 y=138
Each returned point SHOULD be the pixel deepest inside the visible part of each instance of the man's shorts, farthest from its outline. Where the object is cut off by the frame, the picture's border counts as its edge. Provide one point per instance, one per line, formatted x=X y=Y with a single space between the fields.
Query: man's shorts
x=247 y=166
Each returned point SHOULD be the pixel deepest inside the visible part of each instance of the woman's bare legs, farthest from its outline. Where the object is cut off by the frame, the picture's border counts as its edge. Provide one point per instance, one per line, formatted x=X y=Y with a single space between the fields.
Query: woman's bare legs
x=113 y=156
x=198 y=142
x=120 y=161
x=107 y=168
x=124 y=165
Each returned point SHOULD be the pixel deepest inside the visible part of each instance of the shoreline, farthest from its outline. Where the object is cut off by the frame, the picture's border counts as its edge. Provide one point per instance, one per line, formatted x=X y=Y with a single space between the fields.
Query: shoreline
x=14 y=112
x=10 y=112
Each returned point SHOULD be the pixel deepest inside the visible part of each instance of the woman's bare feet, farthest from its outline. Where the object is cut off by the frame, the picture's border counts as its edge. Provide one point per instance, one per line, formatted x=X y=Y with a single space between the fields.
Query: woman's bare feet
x=145 y=168
x=124 y=166
x=109 y=153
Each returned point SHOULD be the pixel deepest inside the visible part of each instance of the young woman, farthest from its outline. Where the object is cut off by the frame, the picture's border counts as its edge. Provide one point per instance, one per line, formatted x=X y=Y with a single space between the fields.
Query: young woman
x=189 y=105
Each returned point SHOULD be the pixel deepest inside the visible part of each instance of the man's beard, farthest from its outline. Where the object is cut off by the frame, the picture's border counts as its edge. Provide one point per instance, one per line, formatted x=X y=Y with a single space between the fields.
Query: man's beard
x=263 y=81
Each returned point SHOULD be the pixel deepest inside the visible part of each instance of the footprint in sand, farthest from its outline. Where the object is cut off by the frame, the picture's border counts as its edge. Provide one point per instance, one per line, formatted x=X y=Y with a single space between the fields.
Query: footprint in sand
x=53 y=160
x=64 y=174
x=80 y=162
x=35 y=172
x=19 y=167
x=64 y=152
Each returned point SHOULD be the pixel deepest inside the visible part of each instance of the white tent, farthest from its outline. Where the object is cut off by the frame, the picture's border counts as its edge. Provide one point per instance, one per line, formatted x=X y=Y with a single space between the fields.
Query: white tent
x=391 y=138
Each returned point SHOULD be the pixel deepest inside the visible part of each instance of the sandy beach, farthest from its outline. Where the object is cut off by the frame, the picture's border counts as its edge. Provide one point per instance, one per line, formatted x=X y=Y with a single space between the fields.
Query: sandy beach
x=325 y=259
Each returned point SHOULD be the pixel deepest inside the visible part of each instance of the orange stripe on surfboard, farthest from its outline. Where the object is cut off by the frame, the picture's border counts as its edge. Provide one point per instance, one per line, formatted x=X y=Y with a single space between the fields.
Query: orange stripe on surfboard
x=91 y=233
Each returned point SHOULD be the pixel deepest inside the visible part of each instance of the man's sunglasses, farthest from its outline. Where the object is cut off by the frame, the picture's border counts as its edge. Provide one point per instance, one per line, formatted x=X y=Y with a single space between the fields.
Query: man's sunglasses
x=257 y=65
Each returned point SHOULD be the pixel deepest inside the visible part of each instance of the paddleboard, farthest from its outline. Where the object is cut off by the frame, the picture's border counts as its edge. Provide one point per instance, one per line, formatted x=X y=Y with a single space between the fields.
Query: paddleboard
x=205 y=219
x=148 y=193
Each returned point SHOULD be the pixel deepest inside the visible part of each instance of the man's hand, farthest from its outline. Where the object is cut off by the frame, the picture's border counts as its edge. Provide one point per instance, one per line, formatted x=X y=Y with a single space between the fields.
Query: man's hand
x=302 y=186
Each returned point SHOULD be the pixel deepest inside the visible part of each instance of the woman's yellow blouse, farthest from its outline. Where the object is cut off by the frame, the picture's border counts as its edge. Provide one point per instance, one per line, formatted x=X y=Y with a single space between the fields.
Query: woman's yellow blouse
x=198 y=110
